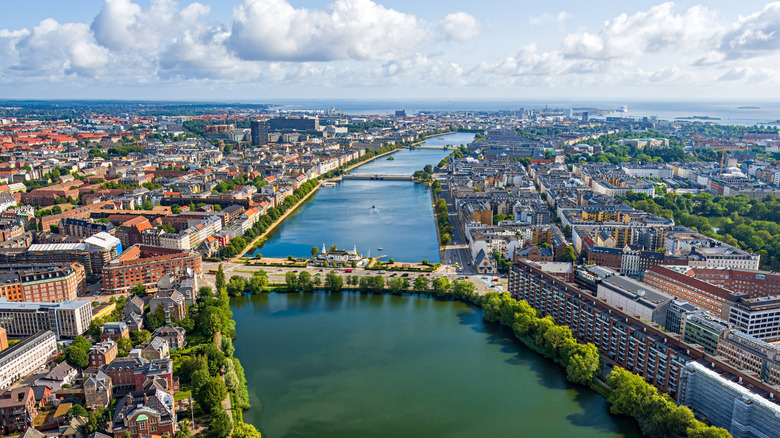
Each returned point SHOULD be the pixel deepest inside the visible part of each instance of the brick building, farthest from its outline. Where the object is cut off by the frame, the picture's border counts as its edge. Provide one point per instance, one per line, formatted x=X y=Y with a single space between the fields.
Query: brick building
x=146 y=265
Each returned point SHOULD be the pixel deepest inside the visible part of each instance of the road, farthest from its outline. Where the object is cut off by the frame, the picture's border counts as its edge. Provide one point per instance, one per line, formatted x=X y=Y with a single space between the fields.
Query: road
x=458 y=250
x=277 y=274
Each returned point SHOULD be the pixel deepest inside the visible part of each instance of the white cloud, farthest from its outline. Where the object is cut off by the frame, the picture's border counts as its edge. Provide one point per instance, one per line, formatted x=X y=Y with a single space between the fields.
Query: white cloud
x=349 y=29
x=460 y=26
x=546 y=18
x=53 y=48
x=755 y=35
x=659 y=29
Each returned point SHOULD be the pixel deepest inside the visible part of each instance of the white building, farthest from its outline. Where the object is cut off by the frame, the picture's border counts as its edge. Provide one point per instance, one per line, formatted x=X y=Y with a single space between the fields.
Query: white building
x=24 y=358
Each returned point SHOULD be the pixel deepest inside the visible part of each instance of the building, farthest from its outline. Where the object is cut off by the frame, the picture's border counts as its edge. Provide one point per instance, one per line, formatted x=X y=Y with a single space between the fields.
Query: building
x=17 y=410
x=752 y=282
x=146 y=265
x=757 y=317
x=174 y=335
x=635 y=298
x=259 y=132
x=172 y=304
x=745 y=352
x=42 y=283
x=135 y=372
x=726 y=404
x=676 y=313
x=114 y=331
x=701 y=328
x=3 y=339
x=103 y=353
x=673 y=281
x=67 y=319
x=98 y=390
x=27 y=356
x=638 y=346
x=157 y=348
x=83 y=228
x=145 y=414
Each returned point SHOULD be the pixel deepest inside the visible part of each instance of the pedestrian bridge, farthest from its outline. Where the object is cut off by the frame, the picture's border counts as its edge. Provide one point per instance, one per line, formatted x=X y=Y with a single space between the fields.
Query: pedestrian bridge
x=378 y=177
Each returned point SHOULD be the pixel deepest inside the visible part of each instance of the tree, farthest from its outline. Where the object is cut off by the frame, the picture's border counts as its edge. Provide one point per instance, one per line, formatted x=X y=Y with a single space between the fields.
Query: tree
x=231 y=380
x=210 y=322
x=583 y=364
x=245 y=430
x=77 y=357
x=421 y=284
x=219 y=281
x=220 y=425
x=211 y=394
x=258 y=282
x=139 y=337
x=397 y=284
x=156 y=319
x=333 y=282
x=463 y=289
x=138 y=290
x=568 y=255
x=304 y=282
x=184 y=429
x=441 y=285
x=291 y=280
x=445 y=239
x=205 y=293
x=236 y=286
x=314 y=251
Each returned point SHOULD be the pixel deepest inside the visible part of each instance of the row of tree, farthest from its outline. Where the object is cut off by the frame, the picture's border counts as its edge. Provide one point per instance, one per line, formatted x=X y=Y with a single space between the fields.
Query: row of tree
x=237 y=245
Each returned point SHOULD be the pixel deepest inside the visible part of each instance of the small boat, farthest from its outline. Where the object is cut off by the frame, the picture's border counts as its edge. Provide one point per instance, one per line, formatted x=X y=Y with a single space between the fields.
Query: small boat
x=380 y=248
x=373 y=206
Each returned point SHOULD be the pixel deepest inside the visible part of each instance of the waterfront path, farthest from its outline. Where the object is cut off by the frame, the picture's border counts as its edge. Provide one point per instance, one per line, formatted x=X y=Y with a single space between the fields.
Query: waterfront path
x=278 y=222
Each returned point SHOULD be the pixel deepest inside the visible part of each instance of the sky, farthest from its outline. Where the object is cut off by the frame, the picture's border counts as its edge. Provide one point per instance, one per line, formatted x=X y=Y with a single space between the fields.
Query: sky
x=259 y=50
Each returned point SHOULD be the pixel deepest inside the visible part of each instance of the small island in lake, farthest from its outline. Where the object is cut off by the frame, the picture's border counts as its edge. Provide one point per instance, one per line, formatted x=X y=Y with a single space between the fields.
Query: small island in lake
x=390 y=158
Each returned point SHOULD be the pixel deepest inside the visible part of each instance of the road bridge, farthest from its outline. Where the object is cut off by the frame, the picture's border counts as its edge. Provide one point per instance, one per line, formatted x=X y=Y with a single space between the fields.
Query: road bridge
x=378 y=177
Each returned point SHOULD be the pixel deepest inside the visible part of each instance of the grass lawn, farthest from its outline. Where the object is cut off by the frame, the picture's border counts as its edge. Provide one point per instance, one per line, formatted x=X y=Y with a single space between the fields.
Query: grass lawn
x=182 y=395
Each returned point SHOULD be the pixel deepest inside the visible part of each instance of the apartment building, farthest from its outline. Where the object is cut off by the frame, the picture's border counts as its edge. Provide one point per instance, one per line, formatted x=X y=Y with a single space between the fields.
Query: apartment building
x=673 y=281
x=42 y=283
x=727 y=404
x=146 y=265
x=24 y=358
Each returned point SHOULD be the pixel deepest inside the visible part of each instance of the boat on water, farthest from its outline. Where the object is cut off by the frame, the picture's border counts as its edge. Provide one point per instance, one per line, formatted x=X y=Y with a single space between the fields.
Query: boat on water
x=380 y=248
x=373 y=206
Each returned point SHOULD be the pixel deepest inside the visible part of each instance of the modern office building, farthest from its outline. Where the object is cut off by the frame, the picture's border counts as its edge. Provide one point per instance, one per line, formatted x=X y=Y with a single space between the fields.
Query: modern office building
x=727 y=404
x=66 y=319
x=747 y=353
x=757 y=317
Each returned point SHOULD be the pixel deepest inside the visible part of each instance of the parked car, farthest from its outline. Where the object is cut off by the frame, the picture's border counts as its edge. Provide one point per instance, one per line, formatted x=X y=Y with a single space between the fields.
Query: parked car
x=348 y=271
x=404 y=275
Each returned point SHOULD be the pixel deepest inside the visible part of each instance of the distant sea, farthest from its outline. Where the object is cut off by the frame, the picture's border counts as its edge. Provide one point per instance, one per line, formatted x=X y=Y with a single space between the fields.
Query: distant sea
x=723 y=112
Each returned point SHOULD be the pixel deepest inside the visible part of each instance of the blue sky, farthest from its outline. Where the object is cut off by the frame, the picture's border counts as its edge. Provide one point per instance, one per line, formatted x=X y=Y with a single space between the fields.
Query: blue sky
x=270 y=49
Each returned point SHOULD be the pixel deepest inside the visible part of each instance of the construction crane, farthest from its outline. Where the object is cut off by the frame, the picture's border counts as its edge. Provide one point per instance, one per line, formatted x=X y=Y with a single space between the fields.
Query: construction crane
x=723 y=155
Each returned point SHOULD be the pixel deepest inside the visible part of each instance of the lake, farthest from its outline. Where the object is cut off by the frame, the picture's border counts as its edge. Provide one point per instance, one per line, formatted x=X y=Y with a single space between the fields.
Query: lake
x=360 y=365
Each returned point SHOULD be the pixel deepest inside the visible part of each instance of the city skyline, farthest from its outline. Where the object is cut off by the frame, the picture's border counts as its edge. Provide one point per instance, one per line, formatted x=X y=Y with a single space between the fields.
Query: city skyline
x=253 y=50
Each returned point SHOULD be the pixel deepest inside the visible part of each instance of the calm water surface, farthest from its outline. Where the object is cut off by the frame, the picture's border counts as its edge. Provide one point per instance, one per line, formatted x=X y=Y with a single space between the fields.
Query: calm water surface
x=350 y=365
x=396 y=216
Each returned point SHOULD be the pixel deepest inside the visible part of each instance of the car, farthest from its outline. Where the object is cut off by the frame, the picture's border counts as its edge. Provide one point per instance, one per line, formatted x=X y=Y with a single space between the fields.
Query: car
x=466 y=278
x=428 y=274
x=382 y=271
x=392 y=275
x=348 y=271
x=404 y=275
x=495 y=279
x=295 y=271
x=280 y=270
x=96 y=294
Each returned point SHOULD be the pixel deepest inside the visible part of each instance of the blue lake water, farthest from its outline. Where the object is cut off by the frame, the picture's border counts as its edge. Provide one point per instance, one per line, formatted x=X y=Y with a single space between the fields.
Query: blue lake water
x=396 y=216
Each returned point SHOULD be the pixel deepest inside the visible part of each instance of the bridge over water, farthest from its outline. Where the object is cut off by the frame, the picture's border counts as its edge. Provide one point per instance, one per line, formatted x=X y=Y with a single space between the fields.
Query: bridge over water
x=378 y=177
